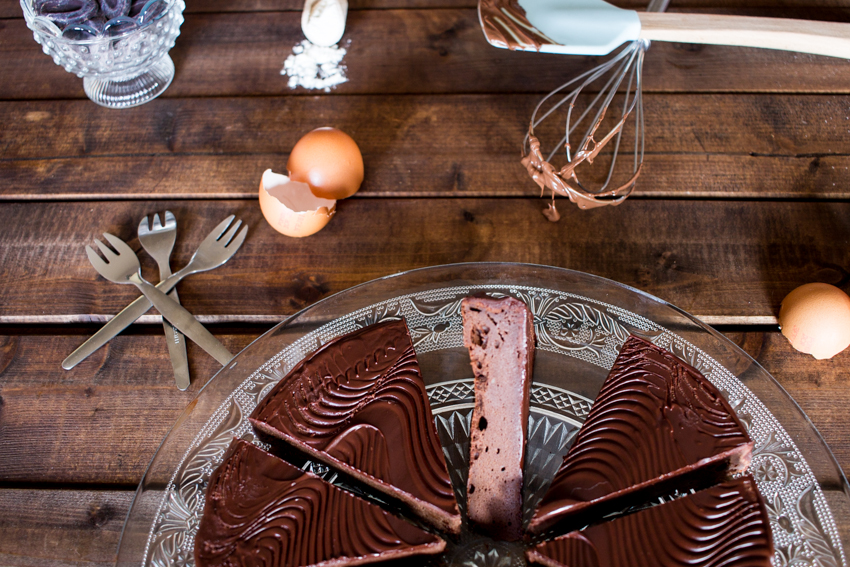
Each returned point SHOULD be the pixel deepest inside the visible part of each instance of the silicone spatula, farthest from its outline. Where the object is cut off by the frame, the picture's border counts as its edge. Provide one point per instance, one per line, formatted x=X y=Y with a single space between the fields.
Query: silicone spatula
x=595 y=27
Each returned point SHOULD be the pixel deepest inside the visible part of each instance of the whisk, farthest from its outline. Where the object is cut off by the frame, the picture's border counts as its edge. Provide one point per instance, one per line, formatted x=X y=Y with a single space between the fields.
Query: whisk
x=627 y=63
x=594 y=27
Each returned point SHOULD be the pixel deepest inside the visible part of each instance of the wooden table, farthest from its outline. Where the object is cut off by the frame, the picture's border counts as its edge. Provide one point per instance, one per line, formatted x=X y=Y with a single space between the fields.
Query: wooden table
x=745 y=195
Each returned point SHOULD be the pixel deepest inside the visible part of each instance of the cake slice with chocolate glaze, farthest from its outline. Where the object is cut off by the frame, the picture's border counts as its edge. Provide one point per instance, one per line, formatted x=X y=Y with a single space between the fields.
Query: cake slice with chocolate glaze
x=499 y=334
x=261 y=510
x=358 y=404
x=657 y=426
x=721 y=526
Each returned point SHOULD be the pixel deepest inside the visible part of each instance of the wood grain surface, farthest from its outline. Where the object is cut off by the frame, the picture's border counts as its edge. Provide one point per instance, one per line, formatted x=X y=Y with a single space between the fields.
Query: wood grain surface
x=746 y=146
x=413 y=52
x=749 y=254
x=61 y=528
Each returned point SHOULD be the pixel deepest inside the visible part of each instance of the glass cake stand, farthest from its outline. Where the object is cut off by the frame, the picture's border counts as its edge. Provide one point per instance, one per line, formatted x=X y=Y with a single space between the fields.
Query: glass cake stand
x=581 y=322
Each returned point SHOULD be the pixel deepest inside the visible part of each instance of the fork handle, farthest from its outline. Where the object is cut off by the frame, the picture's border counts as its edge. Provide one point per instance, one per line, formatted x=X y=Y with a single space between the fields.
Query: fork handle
x=124 y=319
x=183 y=320
x=176 y=344
x=803 y=36
x=174 y=339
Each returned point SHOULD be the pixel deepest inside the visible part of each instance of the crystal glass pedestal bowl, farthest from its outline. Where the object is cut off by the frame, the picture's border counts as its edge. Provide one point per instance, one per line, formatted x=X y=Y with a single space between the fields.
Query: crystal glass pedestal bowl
x=123 y=64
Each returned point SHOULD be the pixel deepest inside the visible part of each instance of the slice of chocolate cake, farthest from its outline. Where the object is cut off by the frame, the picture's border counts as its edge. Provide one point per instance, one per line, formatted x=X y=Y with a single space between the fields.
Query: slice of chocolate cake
x=721 y=526
x=657 y=426
x=261 y=510
x=499 y=334
x=359 y=404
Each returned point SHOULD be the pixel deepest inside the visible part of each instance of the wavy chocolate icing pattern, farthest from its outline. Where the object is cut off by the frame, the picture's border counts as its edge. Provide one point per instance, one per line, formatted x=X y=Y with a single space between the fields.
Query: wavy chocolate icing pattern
x=261 y=511
x=723 y=525
x=654 y=415
x=364 y=390
x=505 y=25
x=364 y=448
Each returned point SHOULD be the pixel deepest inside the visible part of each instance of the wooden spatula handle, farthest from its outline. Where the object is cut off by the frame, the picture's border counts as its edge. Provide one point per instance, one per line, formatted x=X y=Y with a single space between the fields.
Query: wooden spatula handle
x=821 y=38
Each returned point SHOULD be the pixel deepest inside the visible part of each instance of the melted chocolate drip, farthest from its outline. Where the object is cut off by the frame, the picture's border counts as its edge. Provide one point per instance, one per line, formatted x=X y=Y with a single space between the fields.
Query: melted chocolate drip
x=261 y=511
x=723 y=525
x=505 y=25
x=657 y=425
x=354 y=401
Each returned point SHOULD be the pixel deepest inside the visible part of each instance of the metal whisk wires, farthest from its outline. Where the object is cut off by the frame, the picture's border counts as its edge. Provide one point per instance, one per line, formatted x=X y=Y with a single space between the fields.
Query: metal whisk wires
x=620 y=74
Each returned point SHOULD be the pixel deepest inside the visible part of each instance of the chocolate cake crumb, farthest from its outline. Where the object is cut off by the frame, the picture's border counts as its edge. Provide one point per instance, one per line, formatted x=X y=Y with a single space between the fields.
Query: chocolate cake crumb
x=502 y=387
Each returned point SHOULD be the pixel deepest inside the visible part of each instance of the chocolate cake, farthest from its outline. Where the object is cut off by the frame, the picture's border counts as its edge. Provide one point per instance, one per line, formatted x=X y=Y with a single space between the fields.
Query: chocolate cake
x=262 y=511
x=656 y=426
x=721 y=526
x=359 y=404
x=499 y=334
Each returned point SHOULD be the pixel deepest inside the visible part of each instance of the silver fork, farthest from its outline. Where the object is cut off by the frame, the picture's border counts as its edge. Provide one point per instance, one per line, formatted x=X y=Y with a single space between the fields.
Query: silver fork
x=158 y=240
x=216 y=249
x=122 y=266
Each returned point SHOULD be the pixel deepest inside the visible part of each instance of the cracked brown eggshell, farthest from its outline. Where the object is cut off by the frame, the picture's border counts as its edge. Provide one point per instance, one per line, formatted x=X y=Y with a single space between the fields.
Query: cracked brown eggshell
x=815 y=318
x=291 y=208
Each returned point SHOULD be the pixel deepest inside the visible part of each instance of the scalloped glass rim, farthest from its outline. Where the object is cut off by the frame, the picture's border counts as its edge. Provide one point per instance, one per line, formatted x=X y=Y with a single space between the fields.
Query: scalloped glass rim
x=697 y=340
x=32 y=19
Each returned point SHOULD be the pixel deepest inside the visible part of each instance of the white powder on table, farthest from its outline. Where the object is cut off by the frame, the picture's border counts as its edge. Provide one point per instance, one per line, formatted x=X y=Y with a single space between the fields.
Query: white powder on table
x=314 y=67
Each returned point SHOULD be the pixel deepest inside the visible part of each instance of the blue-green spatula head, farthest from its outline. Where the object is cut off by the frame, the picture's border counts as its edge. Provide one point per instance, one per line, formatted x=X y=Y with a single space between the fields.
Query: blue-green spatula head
x=575 y=27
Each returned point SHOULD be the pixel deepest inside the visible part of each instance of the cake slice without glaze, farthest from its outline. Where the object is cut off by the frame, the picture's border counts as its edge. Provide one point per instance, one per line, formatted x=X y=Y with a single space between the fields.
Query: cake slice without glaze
x=499 y=334
x=657 y=426
x=359 y=404
x=721 y=526
x=262 y=511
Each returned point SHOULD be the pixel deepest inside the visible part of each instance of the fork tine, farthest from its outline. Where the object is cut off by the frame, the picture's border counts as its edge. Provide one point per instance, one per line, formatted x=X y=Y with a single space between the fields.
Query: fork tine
x=157 y=225
x=240 y=238
x=105 y=250
x=231 y=231
x=170 y=221
x=144 y=227
x=95 y=259
x=222 y=227
x=120 y=246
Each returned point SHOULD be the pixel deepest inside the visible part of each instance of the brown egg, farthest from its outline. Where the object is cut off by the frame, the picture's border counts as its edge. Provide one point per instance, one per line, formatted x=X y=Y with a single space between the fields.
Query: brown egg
x=290 y=206
x=329 y=161
x=815 y=318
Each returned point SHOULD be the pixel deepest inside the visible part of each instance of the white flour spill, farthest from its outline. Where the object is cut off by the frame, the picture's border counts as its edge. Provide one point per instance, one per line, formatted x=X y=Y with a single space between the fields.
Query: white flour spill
x=314 y=67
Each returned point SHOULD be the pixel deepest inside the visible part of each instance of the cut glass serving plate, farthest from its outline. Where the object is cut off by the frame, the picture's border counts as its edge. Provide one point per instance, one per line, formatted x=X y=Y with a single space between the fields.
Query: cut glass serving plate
x=581 y=321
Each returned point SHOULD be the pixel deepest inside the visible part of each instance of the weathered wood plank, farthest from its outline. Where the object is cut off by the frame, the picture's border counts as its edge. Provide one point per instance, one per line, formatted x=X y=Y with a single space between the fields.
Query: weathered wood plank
x=832 y=10
x=711 y=258
x=470 y=126
x=818 y=386
x=108 y=415
x=237 y=177
x=735 y=146
x=61 y=528
x=119 y=403
x=411 y=51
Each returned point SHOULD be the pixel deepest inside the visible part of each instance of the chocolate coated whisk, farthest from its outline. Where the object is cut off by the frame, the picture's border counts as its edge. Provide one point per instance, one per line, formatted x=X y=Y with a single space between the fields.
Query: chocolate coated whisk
x=627 y=63
x=595 y=27
x=626 y=66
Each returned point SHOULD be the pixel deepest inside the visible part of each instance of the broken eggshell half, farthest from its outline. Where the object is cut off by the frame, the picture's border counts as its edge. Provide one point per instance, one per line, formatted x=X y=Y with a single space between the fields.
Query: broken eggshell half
x=291 y=208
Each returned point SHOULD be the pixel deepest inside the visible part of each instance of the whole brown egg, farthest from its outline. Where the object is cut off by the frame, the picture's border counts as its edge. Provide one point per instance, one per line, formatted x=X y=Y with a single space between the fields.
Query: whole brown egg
x=329 y=161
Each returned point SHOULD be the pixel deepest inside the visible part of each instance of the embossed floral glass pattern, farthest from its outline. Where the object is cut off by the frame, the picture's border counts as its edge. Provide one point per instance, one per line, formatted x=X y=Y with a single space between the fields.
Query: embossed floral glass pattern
x=581 y=322
x=127 y=68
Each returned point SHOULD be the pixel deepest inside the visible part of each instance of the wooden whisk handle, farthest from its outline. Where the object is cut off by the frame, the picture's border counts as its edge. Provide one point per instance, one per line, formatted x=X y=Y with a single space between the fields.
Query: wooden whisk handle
x=820 y=38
